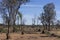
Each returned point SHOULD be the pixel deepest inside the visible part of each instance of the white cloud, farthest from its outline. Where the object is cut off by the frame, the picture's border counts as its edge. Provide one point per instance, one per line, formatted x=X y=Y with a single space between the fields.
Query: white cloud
x=30 y=5
x=28 y=19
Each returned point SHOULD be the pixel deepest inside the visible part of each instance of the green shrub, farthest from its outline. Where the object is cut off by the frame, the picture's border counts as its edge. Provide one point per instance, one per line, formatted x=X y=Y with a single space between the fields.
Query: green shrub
x=2 y=30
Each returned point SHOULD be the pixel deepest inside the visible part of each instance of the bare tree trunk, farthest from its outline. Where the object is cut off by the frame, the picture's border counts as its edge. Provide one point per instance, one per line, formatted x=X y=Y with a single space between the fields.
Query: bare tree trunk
x=46 y=26
x=21 y=27
x=22 y=30
x=8 y=31
x=12 y=16
x=14 y=26
x=43 y=27
x=49 y=26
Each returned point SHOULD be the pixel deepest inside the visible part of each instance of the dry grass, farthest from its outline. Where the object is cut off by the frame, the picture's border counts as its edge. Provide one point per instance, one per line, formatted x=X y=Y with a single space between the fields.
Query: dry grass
x=30 y=34
x=55 y=32
x=17 y=36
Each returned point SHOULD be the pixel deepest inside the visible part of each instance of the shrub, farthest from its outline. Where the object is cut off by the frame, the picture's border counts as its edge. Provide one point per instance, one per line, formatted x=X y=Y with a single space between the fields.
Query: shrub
x=3 y=30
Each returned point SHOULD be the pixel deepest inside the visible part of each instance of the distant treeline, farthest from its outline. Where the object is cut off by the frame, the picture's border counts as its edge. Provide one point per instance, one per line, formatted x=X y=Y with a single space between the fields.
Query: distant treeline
x=28 y=25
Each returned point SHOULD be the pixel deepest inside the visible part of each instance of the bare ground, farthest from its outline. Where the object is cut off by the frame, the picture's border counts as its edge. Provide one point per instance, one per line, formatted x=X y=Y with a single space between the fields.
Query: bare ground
x=17 y=36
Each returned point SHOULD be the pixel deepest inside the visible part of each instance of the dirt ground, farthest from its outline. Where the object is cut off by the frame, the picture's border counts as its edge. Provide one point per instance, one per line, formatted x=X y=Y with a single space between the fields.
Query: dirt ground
x=56 y=32
x=17 y=36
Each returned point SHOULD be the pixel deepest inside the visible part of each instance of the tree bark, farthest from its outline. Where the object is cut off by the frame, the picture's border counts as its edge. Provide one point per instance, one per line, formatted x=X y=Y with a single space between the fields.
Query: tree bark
x=8 y=31
x=49 y=26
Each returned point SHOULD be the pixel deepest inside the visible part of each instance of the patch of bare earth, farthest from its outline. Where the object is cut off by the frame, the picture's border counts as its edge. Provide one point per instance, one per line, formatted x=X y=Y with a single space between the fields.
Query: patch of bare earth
x=17 y=36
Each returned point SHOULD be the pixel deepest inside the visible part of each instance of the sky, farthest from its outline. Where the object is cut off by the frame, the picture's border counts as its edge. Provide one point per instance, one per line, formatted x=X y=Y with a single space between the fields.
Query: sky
x=35 y=8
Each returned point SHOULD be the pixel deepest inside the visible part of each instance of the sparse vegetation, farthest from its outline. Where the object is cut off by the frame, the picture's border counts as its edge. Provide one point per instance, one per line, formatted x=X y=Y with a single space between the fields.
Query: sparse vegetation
x=12 y=30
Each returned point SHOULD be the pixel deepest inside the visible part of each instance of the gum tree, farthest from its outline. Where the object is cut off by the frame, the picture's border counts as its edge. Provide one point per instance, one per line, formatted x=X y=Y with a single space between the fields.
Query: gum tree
x=11 y=7
x=48 y=15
